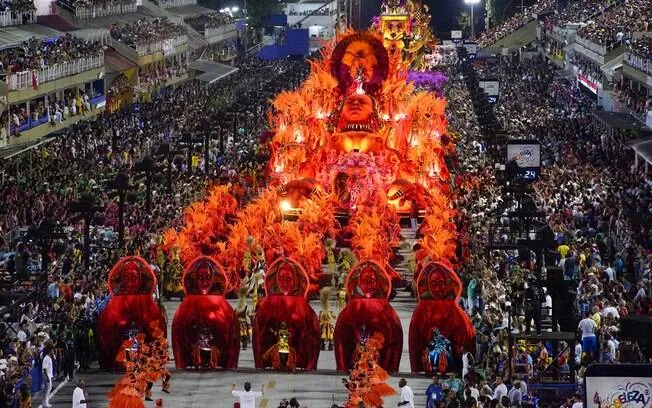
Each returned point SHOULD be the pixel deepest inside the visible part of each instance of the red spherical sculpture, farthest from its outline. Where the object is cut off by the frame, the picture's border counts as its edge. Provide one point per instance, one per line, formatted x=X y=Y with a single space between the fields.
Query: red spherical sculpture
x=368 y=311
x=131 y=308
x=205 y=329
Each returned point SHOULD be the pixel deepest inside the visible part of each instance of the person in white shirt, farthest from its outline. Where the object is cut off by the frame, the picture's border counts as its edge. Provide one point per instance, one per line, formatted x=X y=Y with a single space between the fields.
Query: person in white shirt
x=247 y=397
x=48 y=374
x=578 y=403
x=407 y=396
x=78 y=397
x=587 y=328
x=22 y=333
x=500 y=390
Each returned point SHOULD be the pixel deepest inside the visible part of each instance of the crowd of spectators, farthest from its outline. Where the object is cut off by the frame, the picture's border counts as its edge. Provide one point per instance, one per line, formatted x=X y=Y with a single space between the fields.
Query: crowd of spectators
x=210 y=20
x=37 y=53
x=617 y=25
x=155 y=77
x=577 y=12
x=41 y=183
x=632 y=95
x=18 y=7
x=641 y=48
x=513 y=23
x=146 y=31
x=598 y=210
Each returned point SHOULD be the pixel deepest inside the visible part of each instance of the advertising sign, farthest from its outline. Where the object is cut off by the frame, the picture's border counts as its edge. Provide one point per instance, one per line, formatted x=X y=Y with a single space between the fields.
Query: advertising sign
x=623 y=386
x=471 y=49
x=621 y=392
x=490 y=86
x=527 y=156
x=524 y=154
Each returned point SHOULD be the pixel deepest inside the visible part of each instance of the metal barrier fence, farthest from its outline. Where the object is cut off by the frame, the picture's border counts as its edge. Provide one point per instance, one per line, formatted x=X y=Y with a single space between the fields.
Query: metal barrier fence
x=157 y=46
x=26 y=79
x=176 y=3
x=110 y=10
x=211 y=32
x=590 y=45
x=640 y=63
x=11 y=18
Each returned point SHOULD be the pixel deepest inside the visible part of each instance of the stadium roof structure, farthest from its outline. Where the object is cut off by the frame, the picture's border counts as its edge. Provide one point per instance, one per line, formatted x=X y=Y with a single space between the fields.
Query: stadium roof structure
x=211 y=71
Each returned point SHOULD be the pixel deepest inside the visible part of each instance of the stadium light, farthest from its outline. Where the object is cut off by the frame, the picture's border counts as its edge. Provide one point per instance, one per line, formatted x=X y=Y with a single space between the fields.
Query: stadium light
x=472 y=3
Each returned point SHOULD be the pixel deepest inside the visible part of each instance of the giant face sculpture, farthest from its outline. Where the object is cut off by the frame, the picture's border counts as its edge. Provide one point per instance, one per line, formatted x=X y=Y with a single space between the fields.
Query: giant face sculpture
x=286 y=280
x=368 y=282
x=357 y=109
x=130 y=283
x=204 y=280
x=437 y=284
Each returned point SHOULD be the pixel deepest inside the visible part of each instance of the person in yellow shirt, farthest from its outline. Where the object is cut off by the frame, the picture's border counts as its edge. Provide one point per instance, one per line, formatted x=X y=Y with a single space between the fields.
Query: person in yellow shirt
x=80 y=105
x=596 y=316
x=563 y=250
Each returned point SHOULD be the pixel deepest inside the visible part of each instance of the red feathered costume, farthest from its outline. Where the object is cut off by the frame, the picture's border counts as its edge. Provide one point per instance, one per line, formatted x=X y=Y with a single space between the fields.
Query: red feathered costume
x=205 y=329
x=284 y=322
x=131 y=309
x=439 y=289
x=368 y=312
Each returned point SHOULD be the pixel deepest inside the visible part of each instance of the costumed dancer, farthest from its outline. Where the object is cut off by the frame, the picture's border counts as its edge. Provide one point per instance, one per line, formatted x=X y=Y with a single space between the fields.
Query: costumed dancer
x=347 y=260
x=205 y=345
x=283 y=357
x=244 y=316
x=410 y=258
x=246 y=260
x=332 y=263
x=439 y=356
x=326 y=319
x=174 y=272
x=257 y=278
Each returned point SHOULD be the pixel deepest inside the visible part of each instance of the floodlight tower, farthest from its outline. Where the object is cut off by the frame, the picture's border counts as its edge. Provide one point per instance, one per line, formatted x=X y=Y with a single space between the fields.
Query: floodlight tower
x=472 y=3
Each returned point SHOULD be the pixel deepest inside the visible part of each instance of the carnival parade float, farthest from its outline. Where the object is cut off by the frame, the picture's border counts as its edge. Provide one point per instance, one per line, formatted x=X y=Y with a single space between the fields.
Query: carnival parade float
x=359 y=149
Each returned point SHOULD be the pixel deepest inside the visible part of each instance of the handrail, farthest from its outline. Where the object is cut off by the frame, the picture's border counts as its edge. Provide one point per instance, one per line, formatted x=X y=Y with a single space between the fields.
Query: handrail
x=592 y=46
x=13 y=18
x=176 y=3
x=157 y=46
x=90 y=12
x=218 y=31
x=639 y=63
x=26 y=79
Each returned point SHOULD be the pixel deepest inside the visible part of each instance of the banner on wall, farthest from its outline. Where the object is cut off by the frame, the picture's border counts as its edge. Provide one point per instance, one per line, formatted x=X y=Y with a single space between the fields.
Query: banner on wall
x=588 y=84
x=622 y=386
